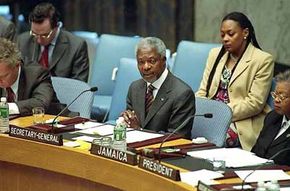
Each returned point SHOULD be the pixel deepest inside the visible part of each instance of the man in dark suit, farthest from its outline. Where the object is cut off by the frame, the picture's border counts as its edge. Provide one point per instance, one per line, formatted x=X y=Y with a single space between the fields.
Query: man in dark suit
x=275 y=135
x=160 y=101
x=7 y=29
x=24 y=86
x=64 y=54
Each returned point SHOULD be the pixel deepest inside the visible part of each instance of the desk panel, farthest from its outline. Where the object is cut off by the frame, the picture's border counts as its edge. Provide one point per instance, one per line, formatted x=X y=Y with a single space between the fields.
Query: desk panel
x=62 y=168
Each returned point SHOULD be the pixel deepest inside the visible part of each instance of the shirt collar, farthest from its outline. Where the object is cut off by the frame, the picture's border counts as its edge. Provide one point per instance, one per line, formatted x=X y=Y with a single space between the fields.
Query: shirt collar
x=53 y=42
x=158 y=83
x=285 y=120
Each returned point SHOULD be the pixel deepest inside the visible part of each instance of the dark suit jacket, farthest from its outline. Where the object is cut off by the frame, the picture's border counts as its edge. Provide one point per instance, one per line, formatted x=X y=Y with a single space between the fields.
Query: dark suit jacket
x=35 y=90
x=266 y=146
x=7 y=29
x=69 y=58
x=174 y=103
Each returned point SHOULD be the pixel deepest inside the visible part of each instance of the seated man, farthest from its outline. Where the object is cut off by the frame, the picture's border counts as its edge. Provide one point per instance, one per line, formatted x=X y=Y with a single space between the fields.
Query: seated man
x=64 y=54
x=7 y=29
x=275 y=135
x=24 y=86
x=160 y=101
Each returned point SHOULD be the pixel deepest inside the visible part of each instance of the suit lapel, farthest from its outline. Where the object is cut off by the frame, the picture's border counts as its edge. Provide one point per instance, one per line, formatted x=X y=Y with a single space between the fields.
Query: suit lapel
x=140 y=101
x=61 y=46
x=243 y=63
x=36 y=51
x=160 y=99
x=284 y=137
x=217 y=77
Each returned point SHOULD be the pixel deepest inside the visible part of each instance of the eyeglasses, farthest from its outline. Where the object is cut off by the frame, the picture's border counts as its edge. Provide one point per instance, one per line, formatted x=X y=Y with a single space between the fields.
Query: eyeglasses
x=151 y=61
x=41 y=35
x=279 y=97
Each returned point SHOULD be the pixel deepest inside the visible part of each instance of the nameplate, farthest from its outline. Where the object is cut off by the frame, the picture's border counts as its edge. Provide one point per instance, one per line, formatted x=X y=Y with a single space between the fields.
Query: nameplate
x=158 y=168
x=121 y=156
x=39 y=136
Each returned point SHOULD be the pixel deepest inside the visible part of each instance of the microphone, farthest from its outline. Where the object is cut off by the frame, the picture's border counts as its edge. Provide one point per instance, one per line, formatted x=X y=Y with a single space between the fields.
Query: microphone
x=258 y=167
x=206 y=115
x=93 y=89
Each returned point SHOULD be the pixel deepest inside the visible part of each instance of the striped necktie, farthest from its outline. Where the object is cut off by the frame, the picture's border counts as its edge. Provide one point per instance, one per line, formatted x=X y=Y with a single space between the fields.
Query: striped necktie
x=44 y=57
x=149 y=98
x=10 y=95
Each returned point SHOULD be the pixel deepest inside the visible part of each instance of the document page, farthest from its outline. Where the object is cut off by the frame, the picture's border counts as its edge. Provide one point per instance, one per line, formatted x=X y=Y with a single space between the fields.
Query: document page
x=233 y=157
x=204 y=175
x=136 y=136
x=262 y=175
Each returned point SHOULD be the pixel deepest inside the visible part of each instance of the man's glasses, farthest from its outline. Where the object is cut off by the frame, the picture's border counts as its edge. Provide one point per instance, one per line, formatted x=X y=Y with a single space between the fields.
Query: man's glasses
x=279 y=97
x=151 y=61
x=41 y=35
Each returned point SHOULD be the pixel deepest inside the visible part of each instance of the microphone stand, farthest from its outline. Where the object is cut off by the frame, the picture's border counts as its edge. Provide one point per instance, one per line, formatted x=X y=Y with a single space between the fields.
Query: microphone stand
x=93 y=89
x=258 y=167
x=207 y=115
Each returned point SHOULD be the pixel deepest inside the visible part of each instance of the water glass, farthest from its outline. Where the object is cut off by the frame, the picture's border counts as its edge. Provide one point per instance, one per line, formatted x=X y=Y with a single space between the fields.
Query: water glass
x=38 y=115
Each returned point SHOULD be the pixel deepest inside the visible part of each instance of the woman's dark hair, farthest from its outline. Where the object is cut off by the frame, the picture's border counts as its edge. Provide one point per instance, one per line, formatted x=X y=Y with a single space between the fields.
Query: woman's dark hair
x=43 y=11
x=244 y=22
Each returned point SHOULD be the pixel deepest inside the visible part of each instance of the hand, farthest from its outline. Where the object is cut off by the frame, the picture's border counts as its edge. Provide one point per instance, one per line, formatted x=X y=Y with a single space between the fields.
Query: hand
x=131 y=119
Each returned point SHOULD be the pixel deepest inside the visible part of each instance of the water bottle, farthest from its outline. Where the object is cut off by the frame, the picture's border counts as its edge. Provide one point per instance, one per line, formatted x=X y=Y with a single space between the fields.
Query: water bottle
x=273 y=186
x=261 y=186
x=4 y=115
x=119 y=141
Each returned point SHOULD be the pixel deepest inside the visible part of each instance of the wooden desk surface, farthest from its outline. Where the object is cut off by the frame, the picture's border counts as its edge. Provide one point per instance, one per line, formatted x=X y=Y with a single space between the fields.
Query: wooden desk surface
x=28 y=165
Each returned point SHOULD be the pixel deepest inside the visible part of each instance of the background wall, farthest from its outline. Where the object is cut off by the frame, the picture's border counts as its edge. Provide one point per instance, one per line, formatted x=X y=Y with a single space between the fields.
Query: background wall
x=172 y=20
x=270 y=18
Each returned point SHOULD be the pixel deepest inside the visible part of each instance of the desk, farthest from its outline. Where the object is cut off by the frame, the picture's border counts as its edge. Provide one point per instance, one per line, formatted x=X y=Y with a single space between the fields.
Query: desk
x=28 y=165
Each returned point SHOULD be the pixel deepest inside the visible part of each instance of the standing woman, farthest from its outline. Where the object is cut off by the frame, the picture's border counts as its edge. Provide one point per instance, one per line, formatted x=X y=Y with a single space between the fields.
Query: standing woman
x=239 y=74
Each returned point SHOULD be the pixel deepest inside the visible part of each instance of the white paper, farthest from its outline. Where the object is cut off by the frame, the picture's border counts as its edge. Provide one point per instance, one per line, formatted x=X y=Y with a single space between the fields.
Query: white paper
x=71 y=144
x=262 y=175
x=88 y=124
x=204 y=175
x=136 y=136
x=233 y=157
x=84 y=138
x=100 y=130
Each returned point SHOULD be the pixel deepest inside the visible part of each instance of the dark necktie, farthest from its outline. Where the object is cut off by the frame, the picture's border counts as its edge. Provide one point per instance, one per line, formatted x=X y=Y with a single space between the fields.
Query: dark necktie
x=149 y=98
x=10 y=95
x=44 y=57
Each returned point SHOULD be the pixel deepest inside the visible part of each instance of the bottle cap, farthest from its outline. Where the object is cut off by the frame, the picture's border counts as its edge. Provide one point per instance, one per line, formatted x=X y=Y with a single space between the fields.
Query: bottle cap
x=3 y=99
x=120 y=120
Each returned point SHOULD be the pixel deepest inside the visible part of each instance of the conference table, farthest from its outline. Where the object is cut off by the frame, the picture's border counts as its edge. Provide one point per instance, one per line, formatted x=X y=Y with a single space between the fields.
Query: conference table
x=28 y=165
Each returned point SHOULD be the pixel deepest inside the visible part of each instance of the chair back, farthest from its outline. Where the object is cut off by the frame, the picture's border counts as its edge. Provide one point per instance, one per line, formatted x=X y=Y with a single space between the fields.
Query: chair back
x=92 y=41
x=213 y=129
x=126 y=74
x=68 y=89
x=270 y=99
x=110 y=50
x=190 y=62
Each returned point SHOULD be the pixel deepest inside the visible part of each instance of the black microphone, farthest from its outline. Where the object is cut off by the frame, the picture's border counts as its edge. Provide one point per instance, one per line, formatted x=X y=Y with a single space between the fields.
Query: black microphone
x=258 y=167
x=93 y=89
x=206 y=115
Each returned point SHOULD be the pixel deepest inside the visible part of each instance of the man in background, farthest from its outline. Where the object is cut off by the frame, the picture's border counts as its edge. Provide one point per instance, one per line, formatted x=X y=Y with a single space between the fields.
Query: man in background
x=7 y=29
x=275 y=135
x=25 y=86
x=160 y=101
x=62 y=53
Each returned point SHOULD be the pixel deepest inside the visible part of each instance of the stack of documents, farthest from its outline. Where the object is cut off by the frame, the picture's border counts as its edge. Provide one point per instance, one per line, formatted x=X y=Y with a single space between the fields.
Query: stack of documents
x=233 y=157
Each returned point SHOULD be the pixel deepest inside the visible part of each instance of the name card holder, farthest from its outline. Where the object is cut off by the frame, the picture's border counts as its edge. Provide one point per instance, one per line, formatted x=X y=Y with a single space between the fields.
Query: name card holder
x=35 y=135
x=158 y=168
x=50 y=129
x=114 y=154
